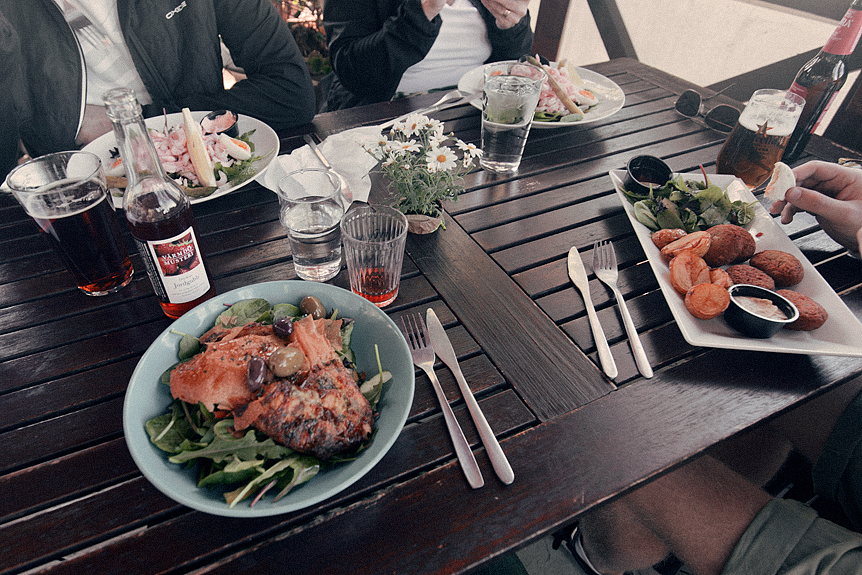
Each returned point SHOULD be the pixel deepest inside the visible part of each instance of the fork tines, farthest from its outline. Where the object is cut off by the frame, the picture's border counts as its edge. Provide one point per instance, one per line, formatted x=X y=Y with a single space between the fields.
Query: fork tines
x=414 y=331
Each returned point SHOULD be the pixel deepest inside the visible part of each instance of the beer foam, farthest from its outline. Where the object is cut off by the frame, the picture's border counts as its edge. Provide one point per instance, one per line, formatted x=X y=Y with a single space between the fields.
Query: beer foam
x=778 y=127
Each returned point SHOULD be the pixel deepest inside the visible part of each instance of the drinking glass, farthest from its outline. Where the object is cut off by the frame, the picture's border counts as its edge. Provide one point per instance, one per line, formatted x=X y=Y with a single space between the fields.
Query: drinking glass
x=311 y=211
x=374 y=238
x=511 y=93
x=66 y=195
x=759 y=137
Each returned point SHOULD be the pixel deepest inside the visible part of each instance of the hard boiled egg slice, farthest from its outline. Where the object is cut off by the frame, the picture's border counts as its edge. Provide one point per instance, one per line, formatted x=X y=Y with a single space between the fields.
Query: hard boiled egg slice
x=584 y=97
x=236 y=148
x=115 y=168
x=782 y=180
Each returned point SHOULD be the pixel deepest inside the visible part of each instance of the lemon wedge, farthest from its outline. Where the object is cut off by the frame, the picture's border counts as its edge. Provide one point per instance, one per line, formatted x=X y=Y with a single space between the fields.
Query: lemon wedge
x=198 y=151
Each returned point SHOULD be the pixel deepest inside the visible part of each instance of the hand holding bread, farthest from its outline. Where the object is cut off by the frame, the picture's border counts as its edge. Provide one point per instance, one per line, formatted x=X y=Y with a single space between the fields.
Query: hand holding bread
x=833 y=194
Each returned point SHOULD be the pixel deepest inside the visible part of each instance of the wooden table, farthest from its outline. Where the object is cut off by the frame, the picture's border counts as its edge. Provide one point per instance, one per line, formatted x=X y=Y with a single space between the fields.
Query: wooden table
x=73 y=500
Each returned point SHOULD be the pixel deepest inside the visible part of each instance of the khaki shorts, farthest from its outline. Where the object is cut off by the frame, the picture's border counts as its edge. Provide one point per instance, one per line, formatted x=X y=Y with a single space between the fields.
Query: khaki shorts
x=787 y=537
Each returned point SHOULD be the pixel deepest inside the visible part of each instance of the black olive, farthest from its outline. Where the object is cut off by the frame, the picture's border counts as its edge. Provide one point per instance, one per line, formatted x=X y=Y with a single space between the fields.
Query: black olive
x=255 y=373
x=283 y=327
x=313 y=307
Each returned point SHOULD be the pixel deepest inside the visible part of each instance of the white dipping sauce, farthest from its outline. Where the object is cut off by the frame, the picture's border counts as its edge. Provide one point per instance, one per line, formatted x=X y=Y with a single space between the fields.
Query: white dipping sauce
x=761 y=306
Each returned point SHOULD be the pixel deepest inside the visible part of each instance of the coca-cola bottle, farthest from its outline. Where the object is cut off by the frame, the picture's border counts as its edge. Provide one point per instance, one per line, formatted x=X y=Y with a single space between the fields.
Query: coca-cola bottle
x=819 y=80
x=158 y=212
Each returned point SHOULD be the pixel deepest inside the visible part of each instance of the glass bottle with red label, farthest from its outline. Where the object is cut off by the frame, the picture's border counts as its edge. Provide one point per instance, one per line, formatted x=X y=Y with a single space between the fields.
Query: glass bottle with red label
x=819 y=80
x=158 y=212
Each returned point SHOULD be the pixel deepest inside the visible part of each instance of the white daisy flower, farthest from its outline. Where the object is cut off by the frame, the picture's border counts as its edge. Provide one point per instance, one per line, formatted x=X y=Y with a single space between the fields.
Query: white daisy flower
x=412 y=125
x=408 y=146
x=436 y=126
x=441 y=159
x=470 y=150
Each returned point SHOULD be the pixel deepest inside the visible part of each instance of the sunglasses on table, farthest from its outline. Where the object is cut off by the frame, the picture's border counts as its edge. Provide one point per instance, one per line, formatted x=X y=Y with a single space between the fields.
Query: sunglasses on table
x=721 y=118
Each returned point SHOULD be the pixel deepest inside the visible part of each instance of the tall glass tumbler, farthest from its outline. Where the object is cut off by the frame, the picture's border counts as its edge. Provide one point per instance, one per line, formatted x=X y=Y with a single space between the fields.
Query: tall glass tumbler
x=511 y=93
x=66 y=195
x=374 y=238
x=758 y=140
x=311 y=211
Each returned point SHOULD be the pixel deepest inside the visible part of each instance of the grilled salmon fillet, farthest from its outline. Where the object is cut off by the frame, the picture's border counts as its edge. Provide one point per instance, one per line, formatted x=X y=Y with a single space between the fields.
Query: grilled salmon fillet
x=321 y=412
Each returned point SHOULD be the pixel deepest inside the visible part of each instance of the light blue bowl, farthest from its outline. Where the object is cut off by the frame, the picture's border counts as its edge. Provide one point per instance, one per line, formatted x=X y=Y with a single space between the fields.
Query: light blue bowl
x=147 y=397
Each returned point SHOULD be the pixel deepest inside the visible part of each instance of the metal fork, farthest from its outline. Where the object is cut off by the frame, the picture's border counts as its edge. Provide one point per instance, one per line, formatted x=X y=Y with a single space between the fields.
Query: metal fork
x=85 y=29
x=605 y=268
x=416 y=333
x=449 y=99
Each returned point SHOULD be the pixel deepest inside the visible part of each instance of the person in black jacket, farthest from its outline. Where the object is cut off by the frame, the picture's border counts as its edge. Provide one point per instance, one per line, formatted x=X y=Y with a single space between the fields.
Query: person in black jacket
x=380 y=49
x=175 y=52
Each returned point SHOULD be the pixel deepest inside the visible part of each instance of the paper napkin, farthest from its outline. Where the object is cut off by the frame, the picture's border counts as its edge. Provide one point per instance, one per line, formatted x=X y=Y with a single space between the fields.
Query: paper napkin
x=343 y=150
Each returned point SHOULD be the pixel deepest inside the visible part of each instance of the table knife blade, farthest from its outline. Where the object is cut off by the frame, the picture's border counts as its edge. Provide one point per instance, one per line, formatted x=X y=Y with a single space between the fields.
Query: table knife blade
x=443 y=348
x=578 y=275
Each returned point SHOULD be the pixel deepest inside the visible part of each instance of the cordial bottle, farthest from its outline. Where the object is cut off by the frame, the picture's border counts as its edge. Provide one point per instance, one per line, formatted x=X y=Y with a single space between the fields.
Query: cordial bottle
x=158 y=212
x=819 y=80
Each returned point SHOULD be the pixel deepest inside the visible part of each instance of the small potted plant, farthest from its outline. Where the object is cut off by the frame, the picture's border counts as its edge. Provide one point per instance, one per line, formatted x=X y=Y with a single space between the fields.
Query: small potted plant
x=423 y=171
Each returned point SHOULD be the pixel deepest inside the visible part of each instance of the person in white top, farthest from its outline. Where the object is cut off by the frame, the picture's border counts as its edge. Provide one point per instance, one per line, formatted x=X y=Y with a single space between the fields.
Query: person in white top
x=381 y=49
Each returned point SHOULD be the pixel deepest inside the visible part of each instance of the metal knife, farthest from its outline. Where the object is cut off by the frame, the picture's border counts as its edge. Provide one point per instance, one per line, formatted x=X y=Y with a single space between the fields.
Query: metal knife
x=579 y=277
x=443 y=348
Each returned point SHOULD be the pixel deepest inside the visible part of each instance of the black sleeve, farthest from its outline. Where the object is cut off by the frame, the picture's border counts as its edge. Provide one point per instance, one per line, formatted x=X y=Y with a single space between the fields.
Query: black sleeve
x=372 y=43
x=11 y=97
x=278 y=89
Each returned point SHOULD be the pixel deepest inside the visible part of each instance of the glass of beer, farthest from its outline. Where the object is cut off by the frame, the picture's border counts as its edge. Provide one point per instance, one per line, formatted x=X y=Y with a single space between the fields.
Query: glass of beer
x=760 y=136
x=66 y=195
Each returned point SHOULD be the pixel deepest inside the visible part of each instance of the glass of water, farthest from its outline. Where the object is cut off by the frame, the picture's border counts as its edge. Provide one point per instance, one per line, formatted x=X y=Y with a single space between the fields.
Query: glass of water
x=311 y=212
x=511 y=93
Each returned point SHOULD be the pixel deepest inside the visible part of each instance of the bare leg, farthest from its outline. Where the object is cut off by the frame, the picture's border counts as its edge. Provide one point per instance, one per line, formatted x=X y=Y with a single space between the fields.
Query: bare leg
x=615 y=540
x=698 y=511
x=808 y=426
x=757 y=455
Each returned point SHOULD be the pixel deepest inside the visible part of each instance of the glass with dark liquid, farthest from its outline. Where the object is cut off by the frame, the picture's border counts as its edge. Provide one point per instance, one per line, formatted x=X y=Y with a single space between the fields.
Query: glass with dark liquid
x=758 y=140
x=374 y=238
x=66 y=195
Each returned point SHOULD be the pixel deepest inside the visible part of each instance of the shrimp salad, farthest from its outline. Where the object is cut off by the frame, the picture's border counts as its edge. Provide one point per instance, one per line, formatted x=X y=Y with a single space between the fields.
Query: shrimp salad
x=564 y=97
x=232 y=158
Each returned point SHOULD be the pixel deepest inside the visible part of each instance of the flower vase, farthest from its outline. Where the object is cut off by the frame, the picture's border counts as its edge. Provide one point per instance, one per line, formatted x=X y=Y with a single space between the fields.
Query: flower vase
x=422 y=224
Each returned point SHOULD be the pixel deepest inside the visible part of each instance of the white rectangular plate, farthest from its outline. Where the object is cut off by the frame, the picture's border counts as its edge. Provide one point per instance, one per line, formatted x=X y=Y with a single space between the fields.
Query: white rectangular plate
x=833 y=338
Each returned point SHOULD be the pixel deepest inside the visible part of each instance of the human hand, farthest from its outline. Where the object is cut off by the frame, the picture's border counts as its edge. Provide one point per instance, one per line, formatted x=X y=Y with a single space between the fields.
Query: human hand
x=433 y=7
x=833 y=194
x=95 y=124
x=507 y=13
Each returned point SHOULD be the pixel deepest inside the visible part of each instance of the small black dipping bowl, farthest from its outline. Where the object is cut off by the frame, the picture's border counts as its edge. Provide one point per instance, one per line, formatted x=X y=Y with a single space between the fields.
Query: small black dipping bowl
x=751 y=324
x=641 y=171
x=232 y=131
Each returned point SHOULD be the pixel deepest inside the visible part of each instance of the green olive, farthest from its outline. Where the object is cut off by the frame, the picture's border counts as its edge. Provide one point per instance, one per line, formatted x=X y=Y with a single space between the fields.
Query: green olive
x=285 y=361
x=313 y=307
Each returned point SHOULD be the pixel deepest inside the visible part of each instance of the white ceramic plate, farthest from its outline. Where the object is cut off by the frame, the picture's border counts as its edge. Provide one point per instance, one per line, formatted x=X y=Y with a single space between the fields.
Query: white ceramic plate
x=835 y=337
x=611 y=97
x=266 y=145
x=147 y=397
